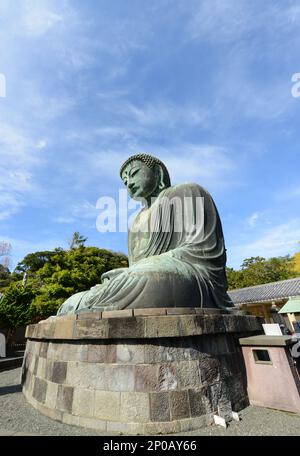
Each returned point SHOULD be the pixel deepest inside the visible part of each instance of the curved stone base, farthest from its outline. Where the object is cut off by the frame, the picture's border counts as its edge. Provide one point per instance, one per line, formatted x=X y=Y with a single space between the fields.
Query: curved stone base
x=138 y=374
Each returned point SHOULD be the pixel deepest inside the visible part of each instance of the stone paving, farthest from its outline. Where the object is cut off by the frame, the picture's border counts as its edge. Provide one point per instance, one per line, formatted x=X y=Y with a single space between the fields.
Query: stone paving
x=18 y=418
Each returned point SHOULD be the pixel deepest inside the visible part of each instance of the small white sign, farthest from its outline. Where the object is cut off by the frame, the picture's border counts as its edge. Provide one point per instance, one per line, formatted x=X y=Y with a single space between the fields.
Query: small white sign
x=272 y=329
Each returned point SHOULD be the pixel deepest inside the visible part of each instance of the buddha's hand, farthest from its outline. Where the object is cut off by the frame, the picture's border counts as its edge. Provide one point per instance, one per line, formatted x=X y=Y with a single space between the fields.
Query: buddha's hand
x=109 y=275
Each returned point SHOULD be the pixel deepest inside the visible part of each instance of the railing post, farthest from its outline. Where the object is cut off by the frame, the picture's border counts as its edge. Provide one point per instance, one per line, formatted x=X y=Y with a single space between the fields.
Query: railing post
x=2 y=346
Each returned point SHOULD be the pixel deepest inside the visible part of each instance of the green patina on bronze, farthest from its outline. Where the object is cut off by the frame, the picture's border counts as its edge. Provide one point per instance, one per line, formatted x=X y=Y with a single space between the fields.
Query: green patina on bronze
x=175 y=260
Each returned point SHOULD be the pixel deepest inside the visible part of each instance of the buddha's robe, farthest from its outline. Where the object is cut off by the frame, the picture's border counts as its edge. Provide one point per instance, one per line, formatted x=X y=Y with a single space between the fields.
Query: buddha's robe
x=177 y=258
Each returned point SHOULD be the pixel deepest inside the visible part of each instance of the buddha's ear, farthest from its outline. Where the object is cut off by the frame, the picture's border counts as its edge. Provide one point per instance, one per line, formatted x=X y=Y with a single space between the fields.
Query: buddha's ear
x=161 y=183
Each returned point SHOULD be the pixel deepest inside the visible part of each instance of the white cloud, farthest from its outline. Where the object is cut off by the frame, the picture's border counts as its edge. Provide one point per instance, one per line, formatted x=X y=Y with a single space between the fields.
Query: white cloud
x=166 y=114
x=252 y=220
x=280 y=240
x=78 y=212
x=208 y=165
x=19 y=155
x=41 y=144
x=38 y=21
x=219 y=20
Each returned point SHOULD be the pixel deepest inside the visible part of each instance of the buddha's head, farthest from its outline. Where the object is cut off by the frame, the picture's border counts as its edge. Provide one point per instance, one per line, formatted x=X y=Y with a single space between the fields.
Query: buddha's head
x=144 y=176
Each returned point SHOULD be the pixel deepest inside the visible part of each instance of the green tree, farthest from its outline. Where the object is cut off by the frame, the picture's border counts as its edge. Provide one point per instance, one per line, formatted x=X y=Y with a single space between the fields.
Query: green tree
x=63 y=273
x=258 y=270
x=5 y=277
x=77 y=241
x=15 y=306
x=296 y=259
x=35 y=261
x=234 y=278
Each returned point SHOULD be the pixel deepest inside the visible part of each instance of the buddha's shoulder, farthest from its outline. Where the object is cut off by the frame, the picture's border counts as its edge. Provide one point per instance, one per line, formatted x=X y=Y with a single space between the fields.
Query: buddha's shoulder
x=189 y=188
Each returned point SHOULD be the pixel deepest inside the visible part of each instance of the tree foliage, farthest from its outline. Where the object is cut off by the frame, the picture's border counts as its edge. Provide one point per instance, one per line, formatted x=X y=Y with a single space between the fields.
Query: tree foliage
x=53 y=276
x=77 y=240
x=296 y=259
x=258 y=270
x=15 y=306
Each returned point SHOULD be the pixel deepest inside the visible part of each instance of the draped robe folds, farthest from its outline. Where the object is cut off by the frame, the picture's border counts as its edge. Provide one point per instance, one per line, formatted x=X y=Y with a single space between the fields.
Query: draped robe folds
x=177 y=258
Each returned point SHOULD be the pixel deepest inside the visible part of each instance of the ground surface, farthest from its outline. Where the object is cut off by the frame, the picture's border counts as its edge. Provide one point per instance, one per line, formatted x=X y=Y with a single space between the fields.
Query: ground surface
x=16 y=416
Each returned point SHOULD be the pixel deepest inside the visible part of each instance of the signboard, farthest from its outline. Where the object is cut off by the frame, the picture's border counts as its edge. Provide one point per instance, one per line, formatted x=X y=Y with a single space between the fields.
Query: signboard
x=272 y=329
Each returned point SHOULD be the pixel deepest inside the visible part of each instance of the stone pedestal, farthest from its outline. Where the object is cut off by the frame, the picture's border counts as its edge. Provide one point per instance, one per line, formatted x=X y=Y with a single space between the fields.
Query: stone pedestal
x=143 y=371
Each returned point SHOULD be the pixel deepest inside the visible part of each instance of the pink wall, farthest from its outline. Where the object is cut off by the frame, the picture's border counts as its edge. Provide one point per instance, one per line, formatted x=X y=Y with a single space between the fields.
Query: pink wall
x=271 y=385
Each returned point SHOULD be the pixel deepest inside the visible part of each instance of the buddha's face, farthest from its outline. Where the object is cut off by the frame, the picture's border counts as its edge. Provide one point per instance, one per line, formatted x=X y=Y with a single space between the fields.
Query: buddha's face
x=140 y=180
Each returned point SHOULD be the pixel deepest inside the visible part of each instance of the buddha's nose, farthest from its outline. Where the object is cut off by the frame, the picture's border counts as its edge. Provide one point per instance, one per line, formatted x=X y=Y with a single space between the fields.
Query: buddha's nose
x=130 y=185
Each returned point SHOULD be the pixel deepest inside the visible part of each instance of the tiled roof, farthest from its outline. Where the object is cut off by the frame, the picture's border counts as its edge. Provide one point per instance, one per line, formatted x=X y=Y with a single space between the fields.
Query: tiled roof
x=266 y=292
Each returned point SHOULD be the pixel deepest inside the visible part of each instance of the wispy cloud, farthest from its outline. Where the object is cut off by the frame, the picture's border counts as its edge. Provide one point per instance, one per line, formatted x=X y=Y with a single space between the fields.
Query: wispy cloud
x=78 y=212
x=252 y=220
x=20 y=154
x=276 y=241
x=38 y=20
x=289 y=193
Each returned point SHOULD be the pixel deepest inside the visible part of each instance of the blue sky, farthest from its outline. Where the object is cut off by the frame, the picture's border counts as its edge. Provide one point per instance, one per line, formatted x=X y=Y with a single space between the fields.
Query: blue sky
x=203 y=84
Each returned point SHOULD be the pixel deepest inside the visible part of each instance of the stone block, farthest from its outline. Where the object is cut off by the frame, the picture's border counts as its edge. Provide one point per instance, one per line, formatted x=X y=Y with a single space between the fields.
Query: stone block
x=130 y=353
x=167 y=380
x=66 y=317
x=51 y=397
x=89 y=316
x=153 y=352
x=37 y=331
x=47 y=330
x=126 y=328
x=188 y=374
x=191 y=424
x=64 y=399
x=180 y=310
x=41 y=368
x=162 y=427
x=59 y=372
x=159 y=407
x=70 y=419
x=64 y=329
x=165 y=326
x=107 y=405
x=32 y=362
x=28 y=384
x=125 y=428
x=29 y=331
x=49 y=367
x=74 y=352
x=150 y=312
x=187 y=326
x=146 y=377
x=120 y=378
x=55 y=350
x=92 y=423
x=210 y=370
x=135 y=407
x=83 y=402
x=179 y=405
x=44 y=349
x=207 y=311
x=102 y=353
x=91 y=329
x=54 y=414
x=197 y=402
x=35 y=366
x=117 y=313
x=229 y=322
x=40 y=390
x=87 y=375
